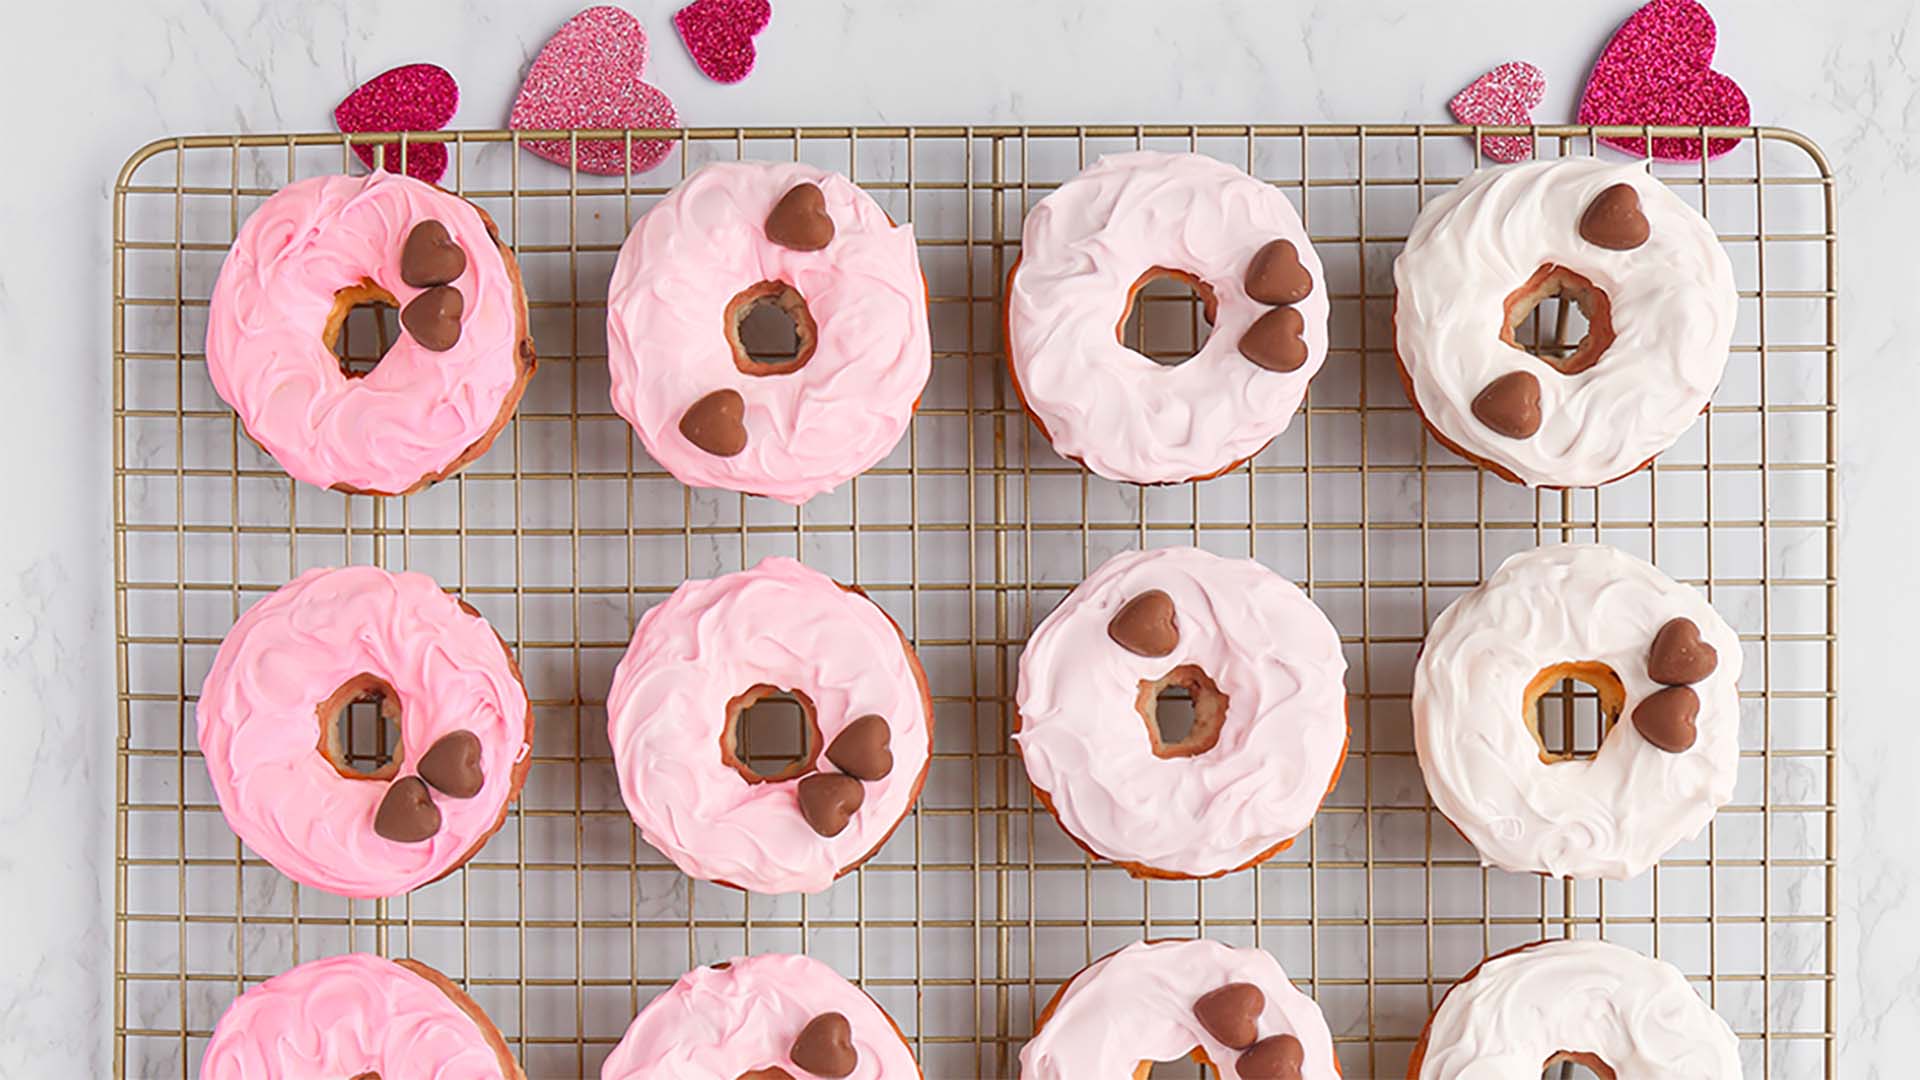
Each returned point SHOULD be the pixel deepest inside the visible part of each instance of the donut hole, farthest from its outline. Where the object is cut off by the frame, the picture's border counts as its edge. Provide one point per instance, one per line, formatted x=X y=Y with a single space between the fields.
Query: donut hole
x=364 y=321
x=771 y=734
x=1571 y=707
x=1195 y=1063
x=1183 y=710
x=1561 y=318
x=360 y=728
x=1169 y=316
x=770 y=329
x=1568 y=1065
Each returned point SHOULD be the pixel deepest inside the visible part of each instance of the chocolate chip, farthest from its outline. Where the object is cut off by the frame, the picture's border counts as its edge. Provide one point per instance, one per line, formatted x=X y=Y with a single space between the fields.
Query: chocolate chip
x=1144 y=625
x=863 y=749
x=715 y=423
x=828 y=800
x=799 y=220
x=1231 y=1013
x=1510 y=405
x=825 y=1046
x=1679 y=655
x=433 y=317
x=1277 y=340
x=407 y=814
x=452 y=765
x=1665 y=718
x=430 y=257
x=1276 y=1057
x=771 y=1072
x=1613 y=219
x=1275 y=275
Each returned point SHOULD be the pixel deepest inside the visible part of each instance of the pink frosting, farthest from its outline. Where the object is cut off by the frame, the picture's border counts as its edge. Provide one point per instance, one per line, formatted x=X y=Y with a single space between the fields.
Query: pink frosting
x=416 y=412
x=259 y=726
x=783 y=625
x=718 y=1022
x=809 y=430
x=343 y=1016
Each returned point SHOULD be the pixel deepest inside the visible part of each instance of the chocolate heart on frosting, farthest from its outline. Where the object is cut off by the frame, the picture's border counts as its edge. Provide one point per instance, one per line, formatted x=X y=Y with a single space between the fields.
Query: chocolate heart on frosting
x=1277 y=340
x=1510 y=405
x=863 y=749
x=1679 y=655
x=799 y=220
x=825 y=1046
x=1275 y=275
x=771 y=1072
x=1145 y=625
x=1613 y=220
x=430 y=257
x=716 y=423
x=1277 y=1057
x=407 y=814
x=452 y=765
x=1666 y=718
x=828 y=801
x=433 y=317
x=1231 y=1013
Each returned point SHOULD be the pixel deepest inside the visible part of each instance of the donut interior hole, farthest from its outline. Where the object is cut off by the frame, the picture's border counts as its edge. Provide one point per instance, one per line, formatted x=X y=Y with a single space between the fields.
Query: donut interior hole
x=360 y=728
x=770 y=329
x=1568 y=1065
x=1561 y=318
x=771 y=734
x=365 y=320
x=1183 y=710
x=1168 y=317
x=1196 y=1063
x=1571 y=707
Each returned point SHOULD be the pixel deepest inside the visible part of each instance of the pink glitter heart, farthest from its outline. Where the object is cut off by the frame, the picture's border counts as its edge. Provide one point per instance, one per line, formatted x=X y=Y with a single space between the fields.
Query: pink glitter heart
x=1505 y=95
x=719 y=35
x=1657 y=70
x=588 y=76
x=416 y=97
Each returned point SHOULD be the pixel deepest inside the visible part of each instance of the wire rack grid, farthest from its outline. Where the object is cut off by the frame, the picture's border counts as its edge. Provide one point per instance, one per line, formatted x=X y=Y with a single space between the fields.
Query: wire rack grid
x=565 y=924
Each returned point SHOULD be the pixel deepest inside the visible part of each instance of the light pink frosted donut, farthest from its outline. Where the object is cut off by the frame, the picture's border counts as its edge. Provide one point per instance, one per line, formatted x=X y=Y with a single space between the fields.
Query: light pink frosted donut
x=420 y=413
x=353 y=1016
x=669 y=712
x=680 y=273
x=737 y=1018
x=269 y=701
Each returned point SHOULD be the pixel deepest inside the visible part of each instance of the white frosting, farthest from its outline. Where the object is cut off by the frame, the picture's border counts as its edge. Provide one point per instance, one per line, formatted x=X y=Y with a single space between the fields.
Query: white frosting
x=1083 y=247
x=1672 y=309
x=1612 y=815
x=1136 y=1005
x=1269 y=650
x=1635 y=1013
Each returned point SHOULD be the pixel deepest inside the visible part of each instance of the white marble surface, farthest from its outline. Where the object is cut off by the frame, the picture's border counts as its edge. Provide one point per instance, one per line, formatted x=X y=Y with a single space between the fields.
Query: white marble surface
x=86 y=84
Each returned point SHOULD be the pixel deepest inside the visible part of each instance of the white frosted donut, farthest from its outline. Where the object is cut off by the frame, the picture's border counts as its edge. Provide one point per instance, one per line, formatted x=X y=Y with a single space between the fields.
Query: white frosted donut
x=1086 y=247
x=1587 y=1001
x=1143 y=1003
x=1201 y=807
x=1669 y=301
x=1596 y=613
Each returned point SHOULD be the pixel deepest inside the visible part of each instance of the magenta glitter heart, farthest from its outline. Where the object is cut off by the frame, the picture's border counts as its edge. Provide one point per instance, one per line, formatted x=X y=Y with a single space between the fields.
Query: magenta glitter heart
x=416 y=97
x=1658 y=70
x=719 y=34
x=588 y=76
x=1505 y=95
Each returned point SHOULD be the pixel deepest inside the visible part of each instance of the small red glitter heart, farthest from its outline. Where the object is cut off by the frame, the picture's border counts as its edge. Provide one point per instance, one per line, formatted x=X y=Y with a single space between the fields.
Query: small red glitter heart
x=416 y=97
x=719 y=35
x=1505 y=95
x=1658 y=70
x=588 y=76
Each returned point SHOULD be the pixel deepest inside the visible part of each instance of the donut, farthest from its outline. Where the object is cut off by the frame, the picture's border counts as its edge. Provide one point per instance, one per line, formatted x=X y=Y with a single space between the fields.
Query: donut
x=1658 y=656
x=773 y=1017
x=267 y=715
x=1233 y=1009
x=357 y=1016
x=1088 y=247
x=709 y=651
x=1645 y=268
x=445 y=387
x=740 y=233
x=1265 y=671
x=1621 y=1015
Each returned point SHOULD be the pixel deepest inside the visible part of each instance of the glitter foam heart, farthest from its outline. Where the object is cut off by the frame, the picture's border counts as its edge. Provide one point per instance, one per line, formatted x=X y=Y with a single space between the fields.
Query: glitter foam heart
x=416 y=97
x=1505 y=95
x=588 y=75
x=719 y=34
x=1658 y=70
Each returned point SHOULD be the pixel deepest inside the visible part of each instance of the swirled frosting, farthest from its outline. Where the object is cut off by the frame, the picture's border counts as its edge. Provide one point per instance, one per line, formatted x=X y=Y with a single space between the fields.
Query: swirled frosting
x=1268 y=649
x=703 y=245
x=1672 y=308
x=418 y=411
x=1612 y=815
x=1521 y=1008
x=345 y=1017
x=259 y=724
x=717 y=1023
x=1082 y=249
x=778 y=624
x=1136 y=1005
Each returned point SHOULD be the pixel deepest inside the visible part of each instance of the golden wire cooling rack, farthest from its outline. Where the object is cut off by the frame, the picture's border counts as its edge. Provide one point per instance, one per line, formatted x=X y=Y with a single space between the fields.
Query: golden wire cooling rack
x=566 y=924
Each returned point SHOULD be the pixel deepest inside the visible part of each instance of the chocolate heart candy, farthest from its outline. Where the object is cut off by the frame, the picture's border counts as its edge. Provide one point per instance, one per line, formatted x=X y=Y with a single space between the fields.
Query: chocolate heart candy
x=1613 y=219
x=452 y=765
x=825 y=1046
x=1145 y=625
x=1275 y=275
x=716 y=423
x=407 y=814
x=1665 y=718
x=1276 y=1057
x=863 y=749
x=828 y=800
x=433 y=317
x=799 y=220
x=1679 y=654
x=1277 y=340
x=1510 y=404
x=430 y=257
x=1231 y=1013
x=772 y=1072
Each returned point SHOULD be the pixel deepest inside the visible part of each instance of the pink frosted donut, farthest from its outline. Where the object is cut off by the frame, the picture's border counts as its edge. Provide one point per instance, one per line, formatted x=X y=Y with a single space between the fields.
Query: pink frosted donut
x=356 y=1016
x=447 y=384
x=267 y=730
x=735 y=234
x=762 y=1017
x=712 y=649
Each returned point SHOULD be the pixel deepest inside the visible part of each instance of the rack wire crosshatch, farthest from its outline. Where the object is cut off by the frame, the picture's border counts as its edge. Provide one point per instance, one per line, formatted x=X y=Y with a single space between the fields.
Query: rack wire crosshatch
x=962 y=927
